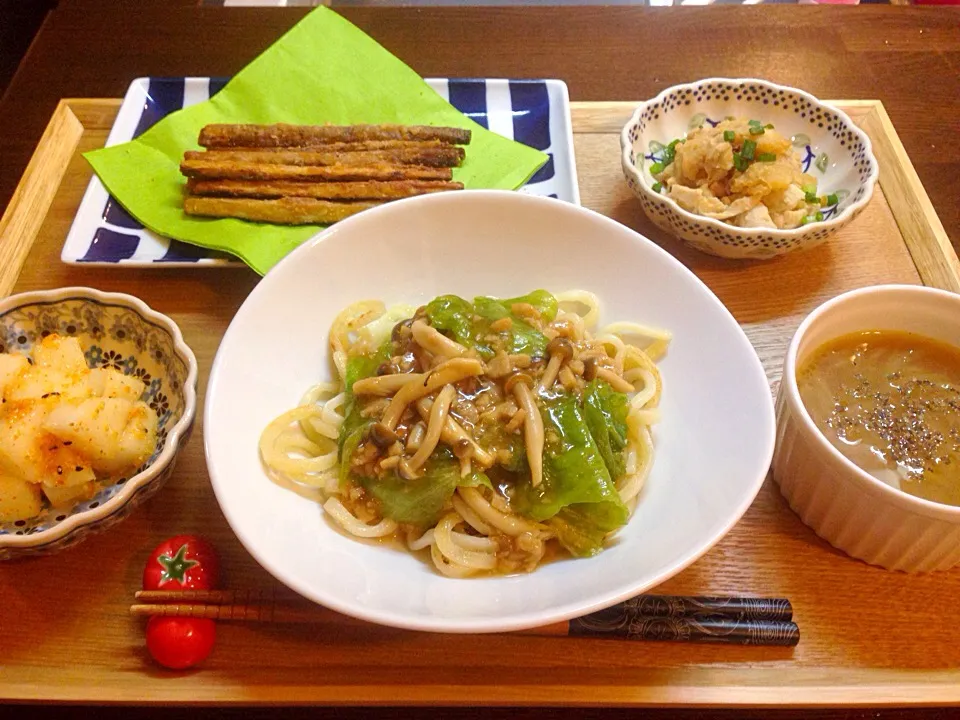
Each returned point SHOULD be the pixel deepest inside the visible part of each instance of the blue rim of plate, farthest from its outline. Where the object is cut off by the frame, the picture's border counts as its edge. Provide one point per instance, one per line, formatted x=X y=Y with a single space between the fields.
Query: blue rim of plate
x=534 y=112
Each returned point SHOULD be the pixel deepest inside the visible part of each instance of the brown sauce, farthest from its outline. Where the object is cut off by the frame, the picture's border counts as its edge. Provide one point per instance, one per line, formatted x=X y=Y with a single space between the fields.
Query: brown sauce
x=890 y=402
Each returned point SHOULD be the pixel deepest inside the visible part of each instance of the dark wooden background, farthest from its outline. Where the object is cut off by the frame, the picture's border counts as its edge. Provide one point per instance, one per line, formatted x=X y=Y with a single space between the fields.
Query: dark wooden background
x=907 y=57
x=19 y=22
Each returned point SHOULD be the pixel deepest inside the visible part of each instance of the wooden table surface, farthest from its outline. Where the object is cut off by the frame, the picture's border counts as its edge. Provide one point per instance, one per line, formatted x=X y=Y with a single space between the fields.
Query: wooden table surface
x=909 y=58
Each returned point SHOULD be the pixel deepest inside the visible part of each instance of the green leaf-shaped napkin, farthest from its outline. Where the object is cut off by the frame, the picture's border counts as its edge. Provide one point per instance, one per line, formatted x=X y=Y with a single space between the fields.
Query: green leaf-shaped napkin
x=324 y=70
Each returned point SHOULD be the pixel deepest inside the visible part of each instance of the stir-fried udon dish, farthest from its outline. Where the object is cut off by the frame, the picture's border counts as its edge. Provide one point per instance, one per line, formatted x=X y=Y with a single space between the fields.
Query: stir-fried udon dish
x=490 y=434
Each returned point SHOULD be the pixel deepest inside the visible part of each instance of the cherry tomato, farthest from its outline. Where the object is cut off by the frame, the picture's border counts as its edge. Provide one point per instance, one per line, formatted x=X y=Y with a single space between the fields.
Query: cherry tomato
x=180 y=642
x=184 y=562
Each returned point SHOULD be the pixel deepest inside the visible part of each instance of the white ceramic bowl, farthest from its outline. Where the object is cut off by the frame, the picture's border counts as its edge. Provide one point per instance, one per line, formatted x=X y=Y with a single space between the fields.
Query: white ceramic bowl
x=844 y=505
x=121 y=332
x=713 y=446
x=819 y=131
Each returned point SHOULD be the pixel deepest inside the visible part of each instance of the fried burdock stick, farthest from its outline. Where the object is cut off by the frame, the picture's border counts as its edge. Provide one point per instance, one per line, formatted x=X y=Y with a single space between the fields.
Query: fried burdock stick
x=439 y=156
x=284 y=135
x=364 y=190
x=360 y=146
x=214 y=170
x=285 y=211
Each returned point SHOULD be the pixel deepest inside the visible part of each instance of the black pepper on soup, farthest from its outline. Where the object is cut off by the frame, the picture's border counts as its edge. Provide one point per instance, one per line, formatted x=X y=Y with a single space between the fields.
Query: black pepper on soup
x=890 y=402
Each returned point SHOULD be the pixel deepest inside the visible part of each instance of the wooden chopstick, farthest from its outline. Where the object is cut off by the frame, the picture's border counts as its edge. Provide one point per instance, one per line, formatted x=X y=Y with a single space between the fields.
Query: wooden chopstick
x=738 y=621
x=218 y=597
x=666 y=606
x=249 y=612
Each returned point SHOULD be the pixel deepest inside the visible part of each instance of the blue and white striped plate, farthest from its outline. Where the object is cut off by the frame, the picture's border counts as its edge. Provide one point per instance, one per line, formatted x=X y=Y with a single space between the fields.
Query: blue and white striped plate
x=534 y=112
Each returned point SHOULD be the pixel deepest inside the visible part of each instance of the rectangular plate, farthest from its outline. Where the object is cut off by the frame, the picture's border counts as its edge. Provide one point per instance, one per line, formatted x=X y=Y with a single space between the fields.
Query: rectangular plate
x=533 y=112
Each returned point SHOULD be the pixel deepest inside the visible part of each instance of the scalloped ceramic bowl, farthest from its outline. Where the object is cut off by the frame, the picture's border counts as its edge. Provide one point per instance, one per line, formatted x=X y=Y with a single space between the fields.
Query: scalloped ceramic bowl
x=830 y=146
x=117 y=331
x=846 y=506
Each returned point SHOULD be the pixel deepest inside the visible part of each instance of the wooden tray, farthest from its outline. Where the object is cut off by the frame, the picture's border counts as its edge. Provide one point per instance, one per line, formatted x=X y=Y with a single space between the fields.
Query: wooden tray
x=869 y=637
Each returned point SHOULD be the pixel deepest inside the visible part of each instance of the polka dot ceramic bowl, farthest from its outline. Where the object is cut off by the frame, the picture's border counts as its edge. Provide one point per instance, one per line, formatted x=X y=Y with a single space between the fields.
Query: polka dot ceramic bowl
x=120 y=332
x=830 y=146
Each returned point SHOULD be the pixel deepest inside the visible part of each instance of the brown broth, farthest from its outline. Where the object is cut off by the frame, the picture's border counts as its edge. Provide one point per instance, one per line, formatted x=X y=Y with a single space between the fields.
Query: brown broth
x=890 y=402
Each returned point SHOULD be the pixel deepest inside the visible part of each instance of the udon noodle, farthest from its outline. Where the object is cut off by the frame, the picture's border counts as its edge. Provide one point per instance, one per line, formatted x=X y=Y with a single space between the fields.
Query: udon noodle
x=489 y=433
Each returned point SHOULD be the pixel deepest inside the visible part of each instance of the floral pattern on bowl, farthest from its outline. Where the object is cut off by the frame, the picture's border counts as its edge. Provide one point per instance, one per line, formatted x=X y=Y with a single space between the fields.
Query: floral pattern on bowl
x=829 y=144
x=119 y=332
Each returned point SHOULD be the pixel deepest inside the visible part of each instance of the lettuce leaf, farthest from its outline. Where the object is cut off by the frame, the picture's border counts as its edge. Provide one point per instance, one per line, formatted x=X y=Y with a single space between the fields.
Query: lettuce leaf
x=605 y=412
x=582 y=528
x=421 y=501
x=454 y=315
x=469 y=323
x=540 y=299
x=358 y=367
x=494 y=435
x=350 y=438
x=364 y=366
x=520 y=338
x=577 y=494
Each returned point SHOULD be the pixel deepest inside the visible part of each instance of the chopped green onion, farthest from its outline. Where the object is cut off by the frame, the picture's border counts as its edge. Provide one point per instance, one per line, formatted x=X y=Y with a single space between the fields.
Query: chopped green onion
x=819 y=216
x=729 y=135
x=812 y=198
x=807 y=220
x=832 y=199
x=757 y=130
x=809 y=189
x=766 y=157
x=749 y=147
x=668 y=152
x=696 y=121
x=821 y=162
x=739 y=162
x=768 y=126
x=754 y=123
x=657 y=187
x=656 y=168
x=656 y=147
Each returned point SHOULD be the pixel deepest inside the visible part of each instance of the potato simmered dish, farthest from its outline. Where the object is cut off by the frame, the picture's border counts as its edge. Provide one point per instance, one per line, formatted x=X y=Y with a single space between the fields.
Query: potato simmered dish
x=64 y=426
x=742 y=172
